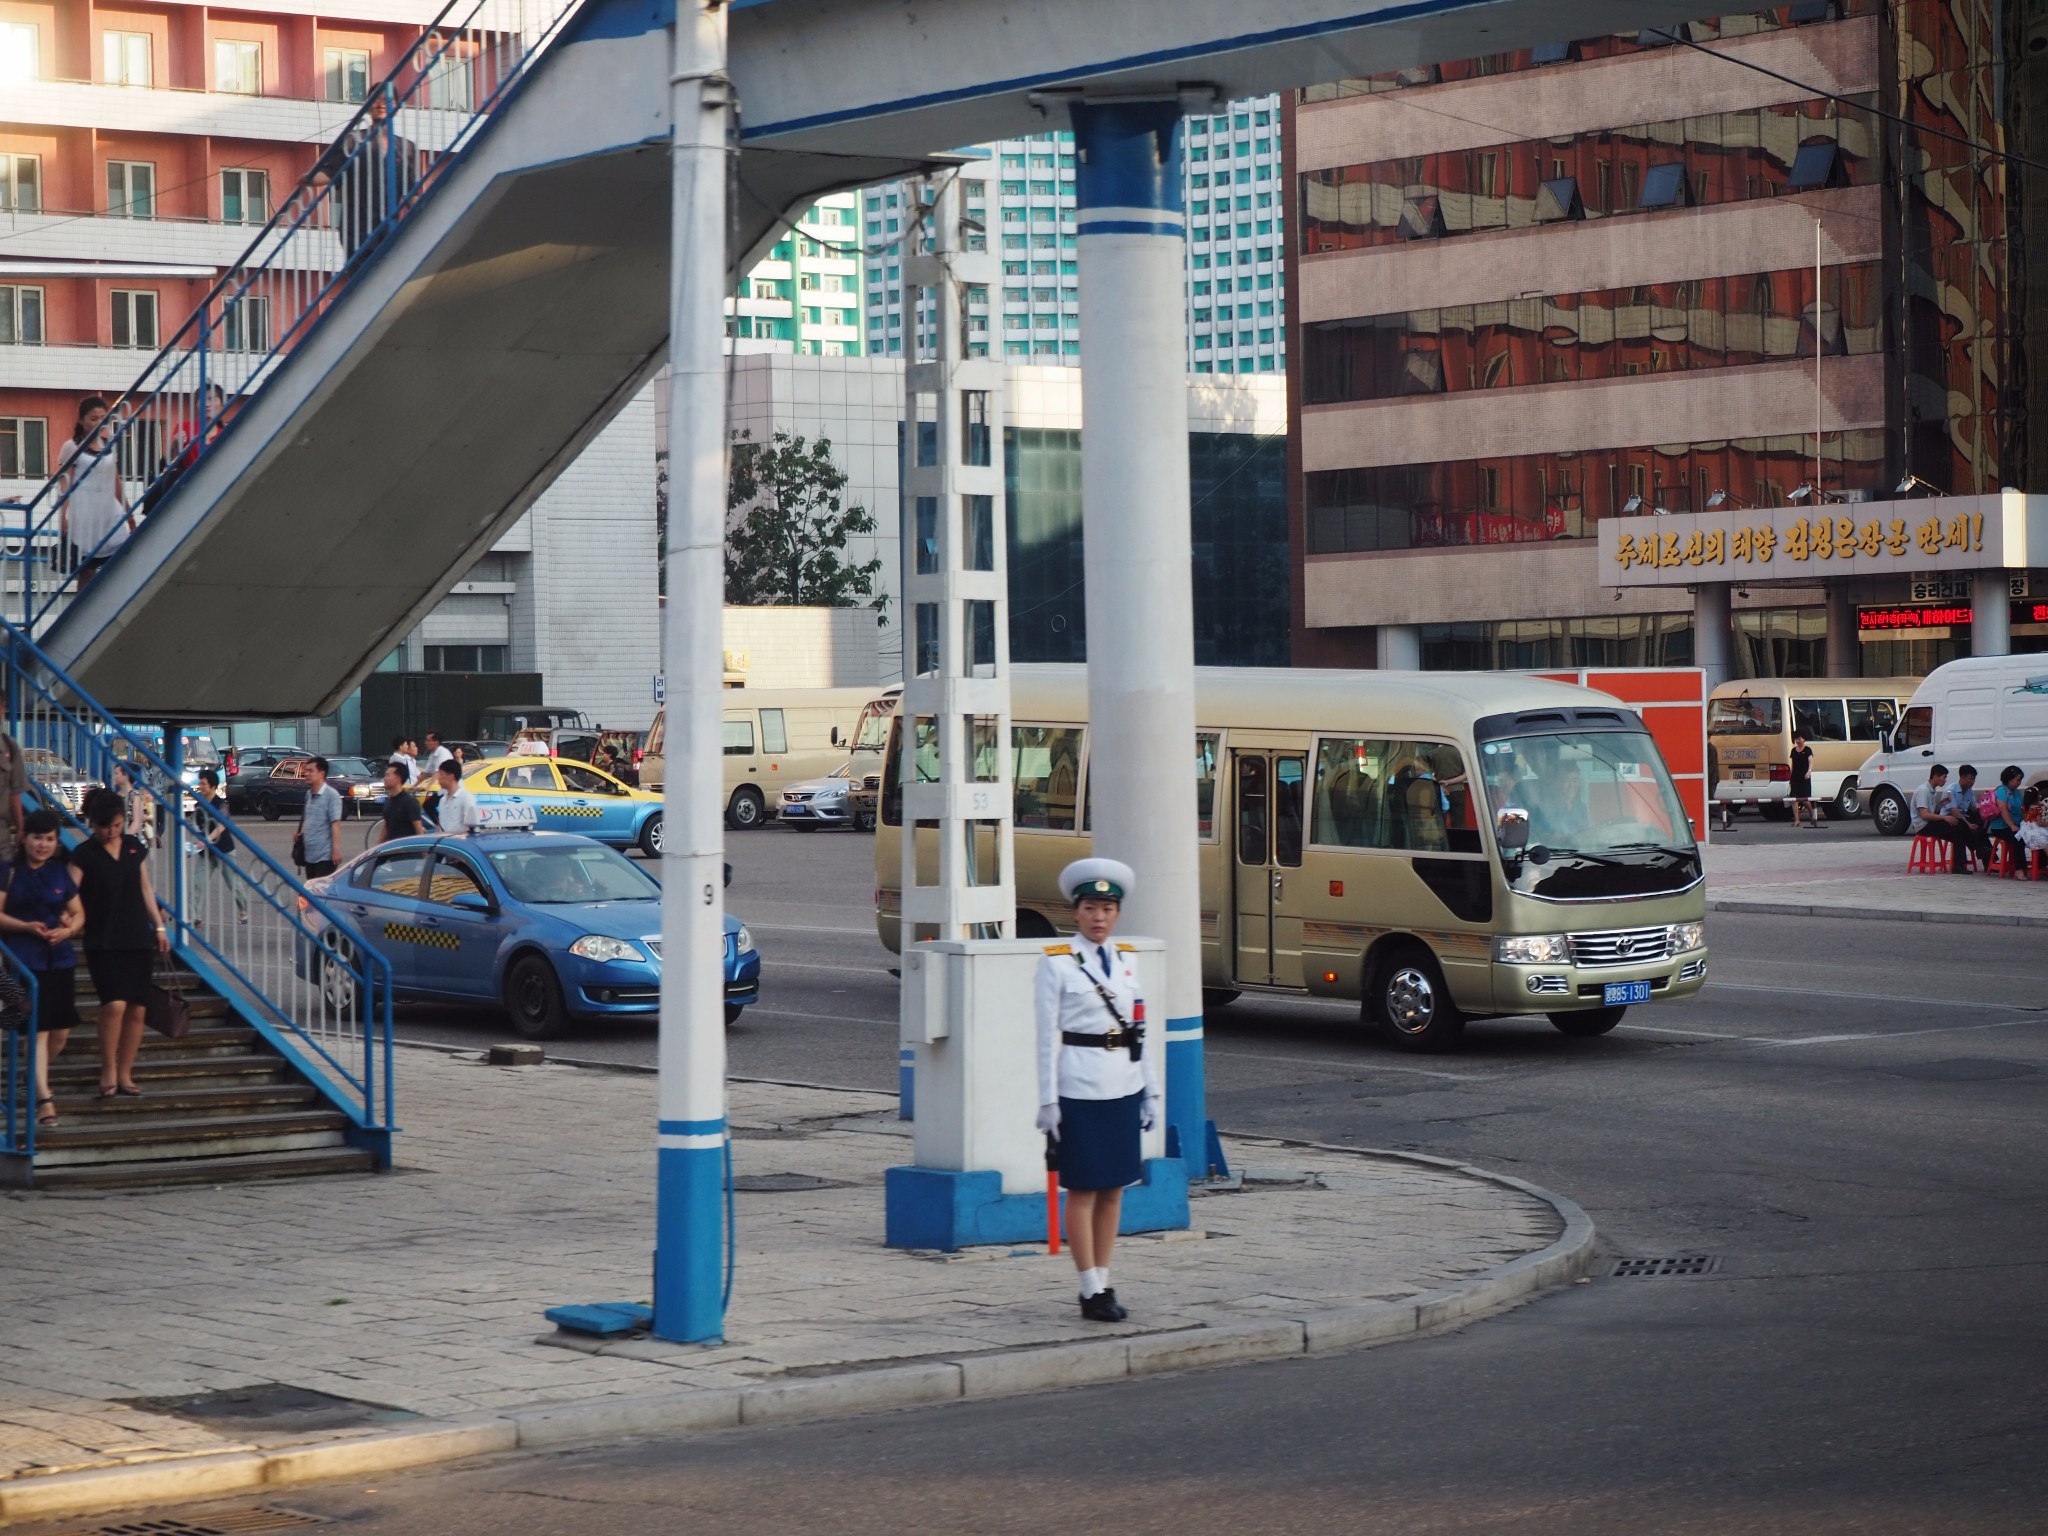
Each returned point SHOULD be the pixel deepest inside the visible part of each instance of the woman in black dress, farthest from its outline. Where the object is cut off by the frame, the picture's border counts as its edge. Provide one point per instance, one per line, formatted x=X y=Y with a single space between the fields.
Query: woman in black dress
x=1801 y=787
x=124 y=931
x=39 y=916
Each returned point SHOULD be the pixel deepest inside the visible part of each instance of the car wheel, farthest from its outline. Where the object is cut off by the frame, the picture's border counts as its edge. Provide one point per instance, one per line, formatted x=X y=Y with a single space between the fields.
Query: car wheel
x=1407 y=998
x=864 y=821
x=733 y=1012
x=534 y=999
x=341 y=995
x=1888 y=812
x=650 y=837
x=1845 y=805
x=266 y=807
x=1588 y=1021
x=746 y=810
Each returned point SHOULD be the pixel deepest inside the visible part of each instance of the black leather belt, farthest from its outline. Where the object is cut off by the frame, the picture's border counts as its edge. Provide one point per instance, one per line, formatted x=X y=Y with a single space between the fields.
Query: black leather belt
x=1115 y=1040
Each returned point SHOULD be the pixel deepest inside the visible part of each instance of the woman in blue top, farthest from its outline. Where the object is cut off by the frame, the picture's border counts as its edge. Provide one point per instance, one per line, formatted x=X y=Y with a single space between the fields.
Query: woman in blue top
x=39 y=917
x=2008 y=810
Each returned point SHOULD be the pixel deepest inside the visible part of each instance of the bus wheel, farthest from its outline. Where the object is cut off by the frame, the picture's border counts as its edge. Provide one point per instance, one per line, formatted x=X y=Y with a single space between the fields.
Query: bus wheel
x=1588 y=1021
x=1411 y=1004
x=1888 y=812
x=746 y=810
x=1845 y=805
x=1214 y=998
x=1033 y=925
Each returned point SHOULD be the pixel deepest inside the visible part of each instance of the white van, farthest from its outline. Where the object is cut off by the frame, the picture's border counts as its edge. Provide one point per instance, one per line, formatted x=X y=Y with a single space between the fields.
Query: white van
x=1988 y=711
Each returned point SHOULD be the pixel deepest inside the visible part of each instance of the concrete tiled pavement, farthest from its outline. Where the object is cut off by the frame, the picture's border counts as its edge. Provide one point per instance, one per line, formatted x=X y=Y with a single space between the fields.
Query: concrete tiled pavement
x=519 y=1188
x=1847 y=870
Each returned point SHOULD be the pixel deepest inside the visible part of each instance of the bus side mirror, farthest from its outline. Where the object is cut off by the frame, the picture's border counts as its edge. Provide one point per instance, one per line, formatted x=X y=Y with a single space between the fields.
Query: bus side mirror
x=835 y=735
x=1511 y=831
x=728 y=874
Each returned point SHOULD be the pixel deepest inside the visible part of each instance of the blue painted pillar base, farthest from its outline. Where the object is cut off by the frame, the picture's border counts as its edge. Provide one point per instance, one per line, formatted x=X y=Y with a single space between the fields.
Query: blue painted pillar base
x=1190 y=1134
x=906 y=1083
x=689 y=1254
x=936 y=1208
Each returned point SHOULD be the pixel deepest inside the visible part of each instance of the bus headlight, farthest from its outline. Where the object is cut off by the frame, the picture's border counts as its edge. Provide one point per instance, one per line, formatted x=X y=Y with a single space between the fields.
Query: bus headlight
x=1532 y=949
x=1686 y=936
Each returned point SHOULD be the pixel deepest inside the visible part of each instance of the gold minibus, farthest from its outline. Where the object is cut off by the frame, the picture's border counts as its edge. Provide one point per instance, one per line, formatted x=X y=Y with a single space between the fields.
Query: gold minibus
x=773 y=737
x=1749 y=738
x=1440 y=846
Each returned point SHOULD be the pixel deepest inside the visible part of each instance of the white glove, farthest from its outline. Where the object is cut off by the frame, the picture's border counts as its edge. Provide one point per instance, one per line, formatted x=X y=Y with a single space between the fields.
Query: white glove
x=1148 y=1111
x=1049 y=1120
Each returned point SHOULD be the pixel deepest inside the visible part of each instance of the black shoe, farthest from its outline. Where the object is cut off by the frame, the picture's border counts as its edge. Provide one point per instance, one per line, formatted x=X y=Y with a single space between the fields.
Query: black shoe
x=1101 y=1308
x=1109 y=1295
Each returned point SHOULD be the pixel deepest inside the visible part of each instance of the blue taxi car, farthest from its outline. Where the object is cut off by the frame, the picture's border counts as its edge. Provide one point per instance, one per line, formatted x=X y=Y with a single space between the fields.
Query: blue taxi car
x=557 y=927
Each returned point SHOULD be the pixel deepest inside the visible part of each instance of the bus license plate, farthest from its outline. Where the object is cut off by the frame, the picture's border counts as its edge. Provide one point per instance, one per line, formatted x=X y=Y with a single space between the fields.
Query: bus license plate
x=1745 y=773
x=1625 y=992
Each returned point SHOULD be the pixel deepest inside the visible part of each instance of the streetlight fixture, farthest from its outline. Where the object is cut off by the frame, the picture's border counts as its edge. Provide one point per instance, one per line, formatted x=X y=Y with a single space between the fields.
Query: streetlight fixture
x=1905 y=487
x=1800 y=491
x=1632 y=506
x=1723 y=499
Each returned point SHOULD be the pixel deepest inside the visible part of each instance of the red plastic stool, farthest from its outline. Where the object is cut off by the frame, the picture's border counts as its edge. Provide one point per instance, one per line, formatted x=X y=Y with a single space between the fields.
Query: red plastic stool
x=2002 y=863
x=1930 y=856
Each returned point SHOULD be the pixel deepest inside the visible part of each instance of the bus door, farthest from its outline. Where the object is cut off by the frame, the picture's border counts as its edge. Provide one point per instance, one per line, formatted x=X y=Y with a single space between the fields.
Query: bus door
x=1270 y=807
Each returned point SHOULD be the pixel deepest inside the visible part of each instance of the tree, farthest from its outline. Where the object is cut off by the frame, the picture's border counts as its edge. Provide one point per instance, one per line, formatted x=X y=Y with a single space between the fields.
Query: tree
x=786 y=537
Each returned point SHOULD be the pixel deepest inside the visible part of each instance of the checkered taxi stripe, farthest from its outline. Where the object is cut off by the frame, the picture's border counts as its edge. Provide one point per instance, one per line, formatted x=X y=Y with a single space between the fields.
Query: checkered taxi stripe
x=551 y=808
x=432 y=938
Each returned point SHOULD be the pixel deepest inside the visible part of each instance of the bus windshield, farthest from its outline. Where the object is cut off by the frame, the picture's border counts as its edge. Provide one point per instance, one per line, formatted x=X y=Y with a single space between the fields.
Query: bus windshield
x=1744 y=717
x=1604 y=820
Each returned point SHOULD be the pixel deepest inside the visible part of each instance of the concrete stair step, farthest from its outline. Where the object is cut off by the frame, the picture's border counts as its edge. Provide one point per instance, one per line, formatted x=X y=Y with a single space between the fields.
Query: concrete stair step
x=252 y=1098
x=201 y=1005
x=230 y=1169
x=119 y=1139
x=75 y=1073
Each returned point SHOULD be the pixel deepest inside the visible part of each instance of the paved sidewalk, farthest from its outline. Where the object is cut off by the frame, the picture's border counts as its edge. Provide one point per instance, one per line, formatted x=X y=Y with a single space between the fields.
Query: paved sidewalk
x=1849 y=871
x=519 y=1188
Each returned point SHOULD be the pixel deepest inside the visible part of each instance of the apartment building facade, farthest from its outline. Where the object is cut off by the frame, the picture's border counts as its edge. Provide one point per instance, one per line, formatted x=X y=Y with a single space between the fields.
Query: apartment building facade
x=804 y=296
x=1021 y=194
x=1761 y=260
x=142 y=147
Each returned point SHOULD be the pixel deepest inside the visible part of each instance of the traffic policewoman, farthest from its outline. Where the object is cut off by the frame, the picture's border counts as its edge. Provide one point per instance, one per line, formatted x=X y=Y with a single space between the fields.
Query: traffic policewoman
x=1098 y=1088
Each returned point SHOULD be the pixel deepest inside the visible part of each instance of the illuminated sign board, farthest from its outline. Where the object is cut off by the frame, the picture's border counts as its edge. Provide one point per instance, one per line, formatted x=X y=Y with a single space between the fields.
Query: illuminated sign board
x=1885 y=618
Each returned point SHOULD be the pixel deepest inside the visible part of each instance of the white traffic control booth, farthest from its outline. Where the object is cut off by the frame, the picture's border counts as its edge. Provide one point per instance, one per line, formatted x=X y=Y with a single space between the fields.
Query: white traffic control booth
x=980 y=1173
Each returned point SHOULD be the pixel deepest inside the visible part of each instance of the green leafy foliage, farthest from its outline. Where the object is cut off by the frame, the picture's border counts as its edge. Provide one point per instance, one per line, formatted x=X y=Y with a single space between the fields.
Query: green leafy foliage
x=786 y=536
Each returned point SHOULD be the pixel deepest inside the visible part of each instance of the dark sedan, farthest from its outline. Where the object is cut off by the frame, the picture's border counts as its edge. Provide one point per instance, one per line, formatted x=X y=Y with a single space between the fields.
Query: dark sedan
x=283 y=792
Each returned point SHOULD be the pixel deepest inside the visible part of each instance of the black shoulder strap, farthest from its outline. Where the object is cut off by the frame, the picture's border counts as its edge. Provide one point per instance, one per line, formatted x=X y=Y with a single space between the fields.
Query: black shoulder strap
x=1102 y=992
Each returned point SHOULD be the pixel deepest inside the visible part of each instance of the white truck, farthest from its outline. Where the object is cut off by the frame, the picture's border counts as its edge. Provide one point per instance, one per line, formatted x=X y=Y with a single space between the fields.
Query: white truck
x=1988 y=711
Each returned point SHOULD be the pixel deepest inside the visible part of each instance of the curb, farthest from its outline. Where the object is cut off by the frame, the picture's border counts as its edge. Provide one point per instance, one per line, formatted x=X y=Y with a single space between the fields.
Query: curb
x=1005 y=1373
x=1865 y=914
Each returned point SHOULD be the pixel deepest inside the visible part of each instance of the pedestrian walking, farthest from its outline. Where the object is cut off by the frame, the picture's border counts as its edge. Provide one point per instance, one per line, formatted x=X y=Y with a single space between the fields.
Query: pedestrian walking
x=457 y=809
x=319 y=820
x=1098 y=1088
x=93 y=521
x=40 y=915
x=136 y=803
x=210 y=816
x=436 y=756
x=402 y=754
x=124 y=929
x=373 y=172
x=13 y=786
x=1801 y=787
x=402 y=815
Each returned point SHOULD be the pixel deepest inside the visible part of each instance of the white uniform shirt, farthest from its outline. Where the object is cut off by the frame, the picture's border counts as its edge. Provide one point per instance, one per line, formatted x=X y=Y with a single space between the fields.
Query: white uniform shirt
x=458 y=810
x=1069 y=1003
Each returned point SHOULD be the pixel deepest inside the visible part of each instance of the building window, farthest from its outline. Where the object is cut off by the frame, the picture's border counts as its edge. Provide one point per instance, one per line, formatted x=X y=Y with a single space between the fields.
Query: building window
x=448 y=80
x=19 y=53
x=21 y=184
x=238 y=67
x=134 y=318
x=347 y=72
x=245 y=324
x=131 y=189
x=465 y=658
x=245 y=197
x=24 y=448
x=21 y=316
x=124 y=58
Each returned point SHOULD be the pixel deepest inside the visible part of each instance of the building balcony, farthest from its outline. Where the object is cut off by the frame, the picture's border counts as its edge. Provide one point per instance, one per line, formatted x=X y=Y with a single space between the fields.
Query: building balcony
x=60 y=238
x=73 y=370
x=136 y=109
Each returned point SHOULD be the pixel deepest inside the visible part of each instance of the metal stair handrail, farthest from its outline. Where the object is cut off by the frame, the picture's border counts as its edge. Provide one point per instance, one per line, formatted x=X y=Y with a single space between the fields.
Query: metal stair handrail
x=297 y=968
x=422 y=115
x=18 y=1072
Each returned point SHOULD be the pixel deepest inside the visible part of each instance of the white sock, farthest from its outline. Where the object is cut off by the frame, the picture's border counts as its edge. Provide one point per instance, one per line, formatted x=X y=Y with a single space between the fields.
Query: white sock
x=1089 y=1284
x=1102 y=1276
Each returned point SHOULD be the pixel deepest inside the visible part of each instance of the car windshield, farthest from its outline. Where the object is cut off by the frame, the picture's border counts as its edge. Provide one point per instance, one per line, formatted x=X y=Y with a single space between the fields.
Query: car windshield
x=350 y=767
x=557 y=876
x=1604 y=819
x=1744 y=717
x=200 y=752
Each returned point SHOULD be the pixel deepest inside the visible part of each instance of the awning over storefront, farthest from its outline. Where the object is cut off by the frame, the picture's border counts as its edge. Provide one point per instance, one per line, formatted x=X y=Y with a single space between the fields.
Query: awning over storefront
x=2008 y=530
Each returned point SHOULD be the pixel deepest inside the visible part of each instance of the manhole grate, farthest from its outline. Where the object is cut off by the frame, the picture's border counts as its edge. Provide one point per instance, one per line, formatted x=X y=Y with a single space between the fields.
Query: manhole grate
x=227 y=1522
x=782 y=1183
x=1645 y=1269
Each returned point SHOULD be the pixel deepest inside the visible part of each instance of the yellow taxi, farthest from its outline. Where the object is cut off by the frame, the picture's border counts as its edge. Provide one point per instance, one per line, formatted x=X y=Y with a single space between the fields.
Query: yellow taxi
x=568 y=796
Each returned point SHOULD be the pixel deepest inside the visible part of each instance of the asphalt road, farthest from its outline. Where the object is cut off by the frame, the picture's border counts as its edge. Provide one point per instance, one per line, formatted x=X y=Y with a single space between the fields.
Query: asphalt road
x=1849 y=1122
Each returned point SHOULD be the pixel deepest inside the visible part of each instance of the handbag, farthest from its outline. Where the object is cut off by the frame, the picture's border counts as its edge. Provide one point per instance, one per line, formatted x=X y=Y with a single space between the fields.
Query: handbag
x=13 y=1001
x=299 y=841
x=166 y=1012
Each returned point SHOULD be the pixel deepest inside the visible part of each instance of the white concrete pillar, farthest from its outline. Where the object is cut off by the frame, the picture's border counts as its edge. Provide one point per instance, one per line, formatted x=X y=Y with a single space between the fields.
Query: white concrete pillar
x=1713 y=632
x=1400 y=647
x=1844 y=647
x=1991 y=628
x=1135 y=529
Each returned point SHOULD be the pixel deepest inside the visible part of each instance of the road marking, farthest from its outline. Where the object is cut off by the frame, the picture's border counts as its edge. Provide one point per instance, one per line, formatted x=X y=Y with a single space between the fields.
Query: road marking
x=1717 y=985
x=1365 y=1064
x=852 y=972
x=807 y=928
x=830 y=1018
x=1900 y=1034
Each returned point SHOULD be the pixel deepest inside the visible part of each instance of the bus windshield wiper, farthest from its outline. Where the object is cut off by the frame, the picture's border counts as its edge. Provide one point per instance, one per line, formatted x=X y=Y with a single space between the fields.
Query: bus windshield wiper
x=1590 y=858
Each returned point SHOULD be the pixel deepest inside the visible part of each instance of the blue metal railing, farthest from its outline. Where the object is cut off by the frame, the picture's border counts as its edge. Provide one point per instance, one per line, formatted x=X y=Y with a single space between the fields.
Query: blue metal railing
x=415 y=121
x=18 y=1075
x=284 y=957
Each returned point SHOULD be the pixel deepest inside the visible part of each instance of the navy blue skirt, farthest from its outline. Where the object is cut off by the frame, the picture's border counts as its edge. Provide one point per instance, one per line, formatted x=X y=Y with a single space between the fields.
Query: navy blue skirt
x=1098 y=1145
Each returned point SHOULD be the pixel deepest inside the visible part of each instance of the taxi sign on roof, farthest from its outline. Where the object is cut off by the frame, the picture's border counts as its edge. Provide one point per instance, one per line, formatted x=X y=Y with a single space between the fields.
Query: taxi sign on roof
x=500 y=818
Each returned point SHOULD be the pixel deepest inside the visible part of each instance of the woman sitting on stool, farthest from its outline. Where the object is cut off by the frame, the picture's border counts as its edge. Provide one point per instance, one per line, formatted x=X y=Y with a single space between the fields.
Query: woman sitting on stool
x=1097 y=1088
